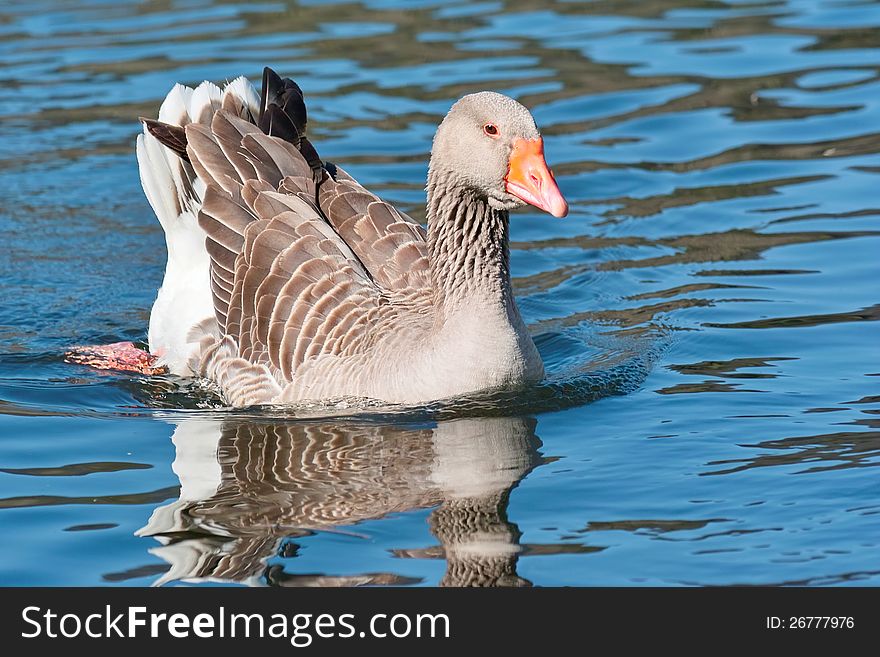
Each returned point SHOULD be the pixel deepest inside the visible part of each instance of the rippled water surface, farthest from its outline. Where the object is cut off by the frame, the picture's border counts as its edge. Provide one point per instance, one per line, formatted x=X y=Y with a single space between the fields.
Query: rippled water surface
x=708 y=311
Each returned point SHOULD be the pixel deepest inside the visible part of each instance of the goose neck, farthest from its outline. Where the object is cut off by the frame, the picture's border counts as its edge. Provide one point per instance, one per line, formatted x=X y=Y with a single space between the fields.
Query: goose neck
x=469 y=250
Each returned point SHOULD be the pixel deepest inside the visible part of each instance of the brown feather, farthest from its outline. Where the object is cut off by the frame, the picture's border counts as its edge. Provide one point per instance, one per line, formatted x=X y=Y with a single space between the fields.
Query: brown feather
x=170 y=136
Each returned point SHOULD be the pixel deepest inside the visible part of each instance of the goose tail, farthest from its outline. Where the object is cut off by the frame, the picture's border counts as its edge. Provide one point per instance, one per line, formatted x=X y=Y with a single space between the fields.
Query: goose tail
x=175 y=193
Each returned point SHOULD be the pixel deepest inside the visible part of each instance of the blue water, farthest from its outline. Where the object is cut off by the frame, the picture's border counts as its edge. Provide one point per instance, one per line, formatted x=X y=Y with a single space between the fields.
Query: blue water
x=707 y=312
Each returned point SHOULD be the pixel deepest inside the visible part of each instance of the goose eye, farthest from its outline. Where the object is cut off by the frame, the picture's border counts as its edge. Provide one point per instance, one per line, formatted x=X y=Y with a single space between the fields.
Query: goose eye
x=491 y=129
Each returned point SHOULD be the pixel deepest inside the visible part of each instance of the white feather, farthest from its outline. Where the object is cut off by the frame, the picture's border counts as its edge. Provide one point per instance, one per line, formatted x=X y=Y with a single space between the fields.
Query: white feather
x=241 y=88
x=175 y=107
x=204 y=102
x=184 y=299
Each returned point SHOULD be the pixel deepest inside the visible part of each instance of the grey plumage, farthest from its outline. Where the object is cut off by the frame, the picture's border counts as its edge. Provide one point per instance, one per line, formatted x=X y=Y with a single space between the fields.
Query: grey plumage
x=321 y=289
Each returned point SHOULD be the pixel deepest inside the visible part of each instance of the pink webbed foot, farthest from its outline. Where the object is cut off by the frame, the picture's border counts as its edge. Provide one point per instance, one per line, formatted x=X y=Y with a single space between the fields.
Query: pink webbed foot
x=123 y=356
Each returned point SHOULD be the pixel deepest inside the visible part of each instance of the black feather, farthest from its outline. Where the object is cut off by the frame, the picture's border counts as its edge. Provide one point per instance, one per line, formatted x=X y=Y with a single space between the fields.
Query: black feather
x=311 y=156
x=283 y=114
x=286 y=96
x=295 y=105
x=278 y=124
x=271 y=84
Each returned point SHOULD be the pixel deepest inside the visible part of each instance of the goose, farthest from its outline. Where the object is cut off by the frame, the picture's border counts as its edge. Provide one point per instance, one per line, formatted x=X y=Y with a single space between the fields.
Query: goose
x=288 y=281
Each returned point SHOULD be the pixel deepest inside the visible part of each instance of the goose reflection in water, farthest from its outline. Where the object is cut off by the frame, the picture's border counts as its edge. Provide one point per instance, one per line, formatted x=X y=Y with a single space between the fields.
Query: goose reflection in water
x=247 y=488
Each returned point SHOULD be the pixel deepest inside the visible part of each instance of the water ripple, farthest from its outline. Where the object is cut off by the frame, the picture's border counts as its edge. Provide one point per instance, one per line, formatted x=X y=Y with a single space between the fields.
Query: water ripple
x=721 y=160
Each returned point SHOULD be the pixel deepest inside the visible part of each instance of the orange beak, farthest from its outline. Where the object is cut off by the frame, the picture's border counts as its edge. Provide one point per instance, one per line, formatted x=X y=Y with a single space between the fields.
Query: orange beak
x=529 y=179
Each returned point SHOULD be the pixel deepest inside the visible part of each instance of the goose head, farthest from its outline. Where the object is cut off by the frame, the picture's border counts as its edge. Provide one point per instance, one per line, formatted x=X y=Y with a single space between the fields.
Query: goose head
x=489 y=145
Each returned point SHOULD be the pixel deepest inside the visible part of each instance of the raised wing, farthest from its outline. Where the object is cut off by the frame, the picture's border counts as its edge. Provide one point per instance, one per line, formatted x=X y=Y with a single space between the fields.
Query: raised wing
x=285 y=284
x=300 y=259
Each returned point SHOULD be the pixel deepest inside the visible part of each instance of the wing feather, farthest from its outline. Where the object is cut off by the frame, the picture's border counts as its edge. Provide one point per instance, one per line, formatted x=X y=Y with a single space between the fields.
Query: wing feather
x=375 y=231
x=299 y=269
